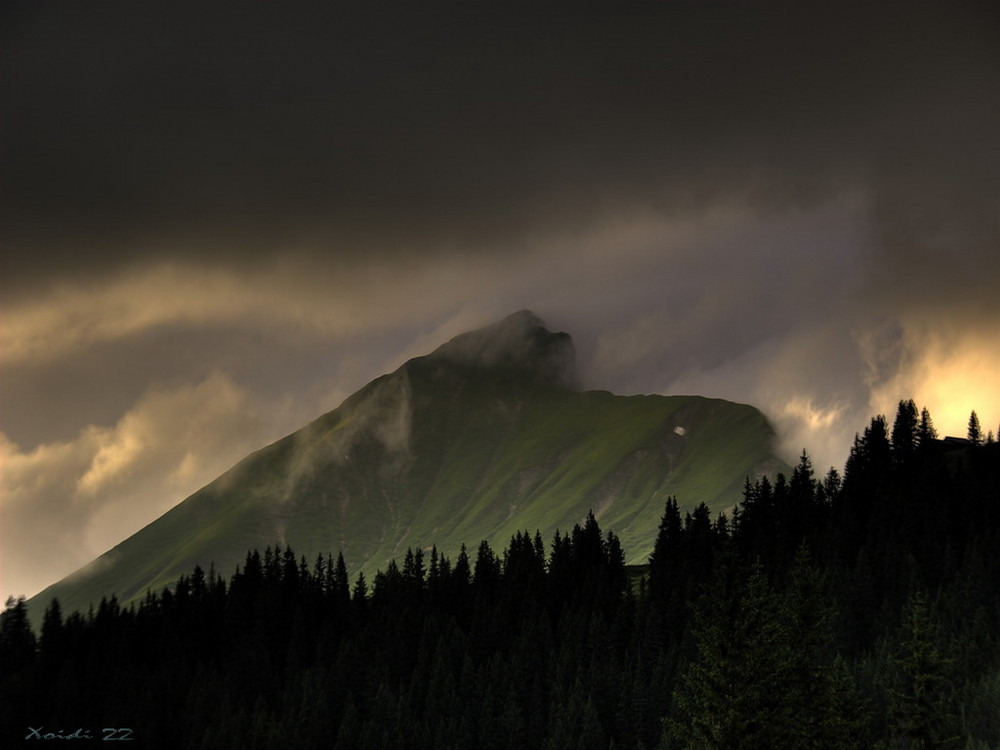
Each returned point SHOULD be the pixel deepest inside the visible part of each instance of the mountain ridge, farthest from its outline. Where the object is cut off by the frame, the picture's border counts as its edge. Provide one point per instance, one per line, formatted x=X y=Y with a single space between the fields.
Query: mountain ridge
x=483 y=437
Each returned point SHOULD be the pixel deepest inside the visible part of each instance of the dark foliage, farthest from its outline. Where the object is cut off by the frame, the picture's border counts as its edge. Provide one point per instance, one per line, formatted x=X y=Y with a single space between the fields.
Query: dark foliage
x=833 y=613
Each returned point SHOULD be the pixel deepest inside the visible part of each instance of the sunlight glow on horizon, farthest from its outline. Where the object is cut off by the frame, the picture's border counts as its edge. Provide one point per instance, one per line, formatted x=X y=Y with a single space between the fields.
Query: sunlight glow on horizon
x=952 y=376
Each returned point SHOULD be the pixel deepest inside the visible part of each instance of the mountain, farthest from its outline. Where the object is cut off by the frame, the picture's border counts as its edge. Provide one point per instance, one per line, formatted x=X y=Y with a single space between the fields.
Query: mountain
x=485 y=436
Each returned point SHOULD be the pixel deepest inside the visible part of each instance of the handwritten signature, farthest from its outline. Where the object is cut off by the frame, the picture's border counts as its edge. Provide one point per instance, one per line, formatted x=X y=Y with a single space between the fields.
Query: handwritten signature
x=110 y=733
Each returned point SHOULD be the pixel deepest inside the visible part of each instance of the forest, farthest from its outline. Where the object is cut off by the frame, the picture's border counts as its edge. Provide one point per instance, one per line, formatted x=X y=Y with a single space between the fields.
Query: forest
x=858 y=609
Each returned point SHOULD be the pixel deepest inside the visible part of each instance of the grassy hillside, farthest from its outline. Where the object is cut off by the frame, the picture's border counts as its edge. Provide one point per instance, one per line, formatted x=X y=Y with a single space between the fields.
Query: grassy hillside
x=446 y=451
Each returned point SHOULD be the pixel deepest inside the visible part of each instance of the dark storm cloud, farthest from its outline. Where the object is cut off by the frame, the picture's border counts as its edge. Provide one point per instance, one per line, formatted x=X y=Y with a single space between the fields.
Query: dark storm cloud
x=408 y=129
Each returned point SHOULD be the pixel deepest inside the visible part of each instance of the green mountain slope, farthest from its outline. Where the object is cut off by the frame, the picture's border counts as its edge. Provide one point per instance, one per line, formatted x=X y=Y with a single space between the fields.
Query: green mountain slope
x=484 y=437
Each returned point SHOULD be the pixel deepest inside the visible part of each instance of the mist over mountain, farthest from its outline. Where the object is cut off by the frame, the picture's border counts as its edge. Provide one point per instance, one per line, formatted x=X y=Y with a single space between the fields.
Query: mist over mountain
x=518 y=342
x=484 y=437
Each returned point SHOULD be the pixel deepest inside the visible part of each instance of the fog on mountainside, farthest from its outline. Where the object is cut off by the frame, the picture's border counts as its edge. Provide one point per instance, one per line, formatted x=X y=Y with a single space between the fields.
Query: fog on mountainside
x=518 y=341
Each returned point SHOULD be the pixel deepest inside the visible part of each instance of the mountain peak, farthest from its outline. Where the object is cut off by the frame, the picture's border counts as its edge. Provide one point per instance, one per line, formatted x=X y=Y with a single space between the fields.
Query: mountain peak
x=520 y=341
x=467 y=443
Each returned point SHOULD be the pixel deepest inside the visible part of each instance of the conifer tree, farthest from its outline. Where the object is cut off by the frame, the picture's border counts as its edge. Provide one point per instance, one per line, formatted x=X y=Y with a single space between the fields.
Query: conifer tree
x=462 y=573
x=921 y=709
x=801 y=515
x=360 y=592
x=616 y=561
x=340 y=583
x=664 y=562
x=802 y=486
x=17 y=641
x=832 y=484
x=413 y=567
x=561 y=564
x=975 y=433
x=588 y=546
x=486 y=572
x=926 y=434
x=53 y=636
x=905 y=432
x=849 y=711
x=817 y=715
x=733 y=694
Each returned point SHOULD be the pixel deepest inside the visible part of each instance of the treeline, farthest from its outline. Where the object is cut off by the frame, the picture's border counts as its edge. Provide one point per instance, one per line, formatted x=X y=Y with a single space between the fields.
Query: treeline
x=854 y=611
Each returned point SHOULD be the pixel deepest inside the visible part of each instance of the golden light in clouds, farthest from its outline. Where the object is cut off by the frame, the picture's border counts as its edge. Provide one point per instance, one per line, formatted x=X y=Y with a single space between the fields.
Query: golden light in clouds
x=85 y=495
x=951 y=372
x=812 y=416
x=823 y=431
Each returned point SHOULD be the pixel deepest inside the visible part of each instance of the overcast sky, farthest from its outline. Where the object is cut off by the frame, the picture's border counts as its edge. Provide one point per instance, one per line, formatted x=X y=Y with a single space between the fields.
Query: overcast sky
x=220 y=220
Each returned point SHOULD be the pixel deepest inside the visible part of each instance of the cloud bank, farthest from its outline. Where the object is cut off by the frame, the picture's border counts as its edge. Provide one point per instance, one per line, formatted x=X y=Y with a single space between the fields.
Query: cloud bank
x=66 y=502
